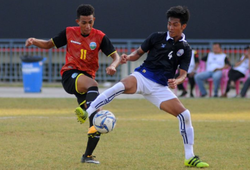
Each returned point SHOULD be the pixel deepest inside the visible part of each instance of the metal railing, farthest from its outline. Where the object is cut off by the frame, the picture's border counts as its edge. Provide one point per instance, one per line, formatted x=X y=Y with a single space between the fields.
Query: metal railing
x=12 y=49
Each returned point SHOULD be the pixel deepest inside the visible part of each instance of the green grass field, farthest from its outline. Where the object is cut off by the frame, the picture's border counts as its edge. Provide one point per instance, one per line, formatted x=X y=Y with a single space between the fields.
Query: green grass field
x=44 y=134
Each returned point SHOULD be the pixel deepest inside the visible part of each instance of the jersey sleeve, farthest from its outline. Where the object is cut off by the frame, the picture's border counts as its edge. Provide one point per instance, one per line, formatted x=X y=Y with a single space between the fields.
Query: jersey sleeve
x=60 y=40
x=184 y=64
x=146 y=45
x=106 y=46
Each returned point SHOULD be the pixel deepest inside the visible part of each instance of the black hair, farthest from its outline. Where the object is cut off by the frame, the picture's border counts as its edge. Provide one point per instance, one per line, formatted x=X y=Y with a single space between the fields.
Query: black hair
x=180 y=12
x=247 y=47
x=85 y=10
x=216 y=43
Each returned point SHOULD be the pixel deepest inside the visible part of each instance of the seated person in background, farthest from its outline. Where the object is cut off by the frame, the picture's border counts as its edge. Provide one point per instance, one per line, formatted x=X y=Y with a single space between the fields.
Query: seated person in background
x=194 y=64
x=239 y=70
x=216 y=61
x=246 y=86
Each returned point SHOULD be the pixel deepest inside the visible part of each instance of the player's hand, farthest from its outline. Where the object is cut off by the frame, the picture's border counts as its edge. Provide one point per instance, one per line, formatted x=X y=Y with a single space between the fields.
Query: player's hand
x=172 y=83
x=111 y=70
x=217 y=69
x=29 y=42
x=124 y=59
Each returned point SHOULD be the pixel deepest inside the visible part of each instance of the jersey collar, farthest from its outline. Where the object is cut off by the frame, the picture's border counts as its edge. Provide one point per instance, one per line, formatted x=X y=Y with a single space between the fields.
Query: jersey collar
x=170 y=38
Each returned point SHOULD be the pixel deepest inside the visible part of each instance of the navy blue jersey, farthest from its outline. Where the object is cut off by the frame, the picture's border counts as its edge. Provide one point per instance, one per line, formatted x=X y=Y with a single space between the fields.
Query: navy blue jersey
x=164 y=56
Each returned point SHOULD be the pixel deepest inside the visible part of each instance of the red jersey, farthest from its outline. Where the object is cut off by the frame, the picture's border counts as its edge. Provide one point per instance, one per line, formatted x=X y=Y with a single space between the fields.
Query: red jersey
x=82 y=52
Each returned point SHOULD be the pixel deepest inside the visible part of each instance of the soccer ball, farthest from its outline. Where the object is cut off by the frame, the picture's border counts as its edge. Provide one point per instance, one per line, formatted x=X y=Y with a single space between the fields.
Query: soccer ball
x=104 y=121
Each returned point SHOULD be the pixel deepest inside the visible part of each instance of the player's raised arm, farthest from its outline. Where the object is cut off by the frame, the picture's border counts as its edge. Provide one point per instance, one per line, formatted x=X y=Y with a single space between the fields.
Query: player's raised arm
x=45 y=44
x=172 y=83
x=135 y=55
x=111 y=69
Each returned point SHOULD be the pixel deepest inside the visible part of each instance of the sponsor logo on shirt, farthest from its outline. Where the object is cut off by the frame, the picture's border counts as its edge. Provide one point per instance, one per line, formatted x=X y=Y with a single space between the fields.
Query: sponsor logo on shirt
x=74 y=75
x=180 y=52
x=75 y=42
x=92 y=45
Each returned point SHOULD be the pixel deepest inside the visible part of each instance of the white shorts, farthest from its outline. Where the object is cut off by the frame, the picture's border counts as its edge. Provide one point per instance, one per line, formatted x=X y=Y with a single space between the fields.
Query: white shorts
x=153 y=92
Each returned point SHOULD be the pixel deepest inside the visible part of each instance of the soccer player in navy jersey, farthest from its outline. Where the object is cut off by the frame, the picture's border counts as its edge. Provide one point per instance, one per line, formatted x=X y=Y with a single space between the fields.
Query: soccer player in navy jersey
x=83 y=45
x=154 y=78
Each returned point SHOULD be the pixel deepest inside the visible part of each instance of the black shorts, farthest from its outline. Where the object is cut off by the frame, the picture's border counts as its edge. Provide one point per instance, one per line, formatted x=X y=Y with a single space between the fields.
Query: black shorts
x=69 y=79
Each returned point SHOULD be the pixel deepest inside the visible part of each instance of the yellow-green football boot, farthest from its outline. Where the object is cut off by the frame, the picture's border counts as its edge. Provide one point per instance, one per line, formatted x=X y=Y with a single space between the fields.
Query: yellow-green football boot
x=195 y=162
x=81 y=114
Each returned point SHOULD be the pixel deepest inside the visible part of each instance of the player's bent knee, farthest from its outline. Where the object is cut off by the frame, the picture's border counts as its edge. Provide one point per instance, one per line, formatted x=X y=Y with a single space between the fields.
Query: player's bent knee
x=83 y=82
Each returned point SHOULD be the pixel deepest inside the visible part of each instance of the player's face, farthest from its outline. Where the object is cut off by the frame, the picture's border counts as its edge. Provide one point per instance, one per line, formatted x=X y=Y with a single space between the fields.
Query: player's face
x=175 y=28
x=217 y=49
x=247 y=53
x=86 y=23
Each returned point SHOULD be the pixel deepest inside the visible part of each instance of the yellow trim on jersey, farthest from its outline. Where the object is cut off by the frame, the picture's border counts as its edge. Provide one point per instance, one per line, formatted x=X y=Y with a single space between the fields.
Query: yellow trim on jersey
x=76 y=84
x=112 y=53
x=53 y=42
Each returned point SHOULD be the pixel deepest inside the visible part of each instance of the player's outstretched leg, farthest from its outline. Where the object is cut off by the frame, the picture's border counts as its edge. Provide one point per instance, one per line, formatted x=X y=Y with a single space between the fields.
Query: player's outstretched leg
x=106 y=97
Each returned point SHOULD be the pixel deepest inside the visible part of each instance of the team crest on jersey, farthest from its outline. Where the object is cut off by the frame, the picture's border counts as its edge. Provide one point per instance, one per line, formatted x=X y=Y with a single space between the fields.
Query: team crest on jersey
x=92 y=45
x=180 y=52
x=74 y=75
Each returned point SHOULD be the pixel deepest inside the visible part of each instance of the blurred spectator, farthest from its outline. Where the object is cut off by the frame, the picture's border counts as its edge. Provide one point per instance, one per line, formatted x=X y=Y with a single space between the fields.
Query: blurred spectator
x=194 y=64
x=245 y=87
x=239 y=70
x=216 y=61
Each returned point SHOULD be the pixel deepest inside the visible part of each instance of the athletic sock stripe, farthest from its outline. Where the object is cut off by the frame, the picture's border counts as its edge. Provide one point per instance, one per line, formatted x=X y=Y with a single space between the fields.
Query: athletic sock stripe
x=114 y=95
x=93 y=91
x=184 y=138
x=98 y=105
x=180 y=116
x=183 y=129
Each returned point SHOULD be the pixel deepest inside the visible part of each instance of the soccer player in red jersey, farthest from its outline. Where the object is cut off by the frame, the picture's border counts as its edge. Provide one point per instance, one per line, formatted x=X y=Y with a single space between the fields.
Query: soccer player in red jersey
x=81 y=63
